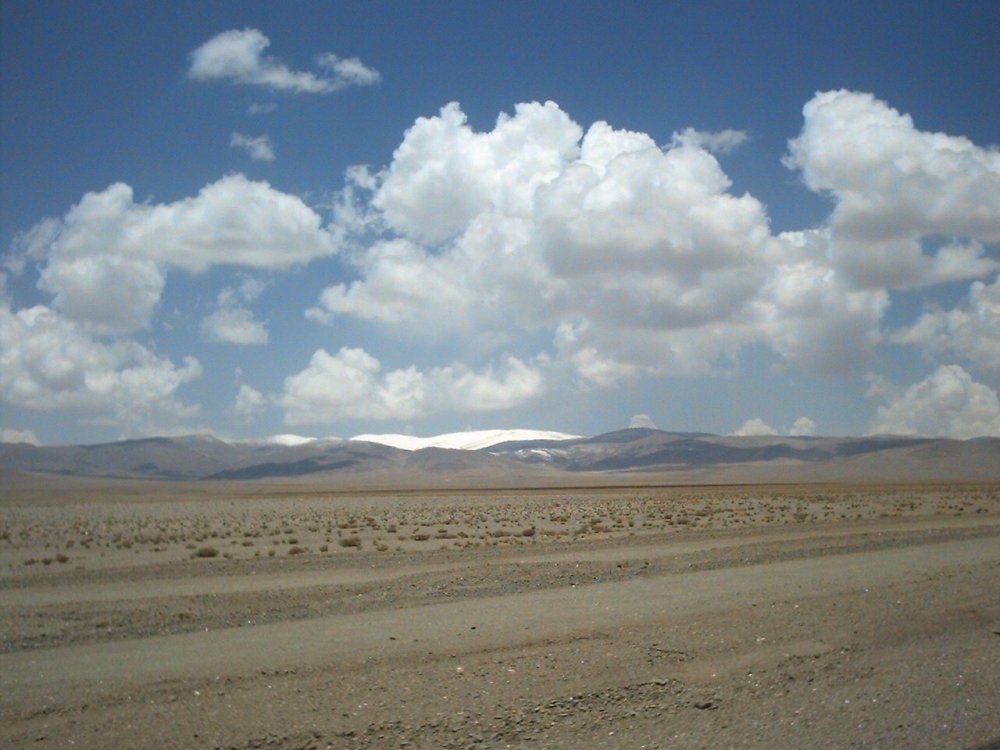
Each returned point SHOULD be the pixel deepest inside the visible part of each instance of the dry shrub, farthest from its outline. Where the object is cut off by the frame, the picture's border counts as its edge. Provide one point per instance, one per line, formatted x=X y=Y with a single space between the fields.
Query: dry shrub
x=351 y=541
x=206 y=552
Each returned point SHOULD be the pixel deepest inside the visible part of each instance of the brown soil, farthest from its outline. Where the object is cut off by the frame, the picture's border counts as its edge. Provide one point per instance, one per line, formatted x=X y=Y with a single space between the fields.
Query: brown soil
x=760 y=617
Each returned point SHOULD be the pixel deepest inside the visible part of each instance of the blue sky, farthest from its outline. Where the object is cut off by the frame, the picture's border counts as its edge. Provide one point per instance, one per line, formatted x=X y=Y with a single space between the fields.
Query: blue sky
x=333 y=218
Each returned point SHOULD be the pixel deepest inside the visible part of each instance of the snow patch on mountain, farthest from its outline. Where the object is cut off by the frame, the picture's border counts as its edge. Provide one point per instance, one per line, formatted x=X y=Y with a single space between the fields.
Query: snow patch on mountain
x=468 y=441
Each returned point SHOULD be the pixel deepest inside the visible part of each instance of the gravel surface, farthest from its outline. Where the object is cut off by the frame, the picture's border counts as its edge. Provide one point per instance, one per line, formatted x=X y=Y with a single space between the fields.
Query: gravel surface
x=856 y=627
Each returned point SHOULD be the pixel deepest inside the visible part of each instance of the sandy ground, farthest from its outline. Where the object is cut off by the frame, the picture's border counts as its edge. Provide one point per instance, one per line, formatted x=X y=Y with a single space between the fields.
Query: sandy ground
x=180 y=616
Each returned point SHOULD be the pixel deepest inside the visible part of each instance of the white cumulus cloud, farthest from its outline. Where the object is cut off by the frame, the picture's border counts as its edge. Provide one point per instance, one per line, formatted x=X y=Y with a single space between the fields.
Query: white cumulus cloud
x=238 y=56
x=894 y=185
x=756 y=427
x=258 y=148
x=948 y=403
x=105 y=261
x=108 y=294
x=48 y=363
x=803 y=427
x=639 y=250
x=232 y=323
x=352 y=385
x=971 y=330
x=11 y=435
x=249 y=403
x=638 y=258
x=348 y=71
x=105 y=264
x=349 y=385
x=811 y=315
x=233 y=221
x=630 y=258
x=723 y=142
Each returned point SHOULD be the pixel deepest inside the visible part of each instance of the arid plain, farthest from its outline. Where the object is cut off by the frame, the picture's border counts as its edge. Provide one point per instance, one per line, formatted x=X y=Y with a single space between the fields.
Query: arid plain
x=293 y=615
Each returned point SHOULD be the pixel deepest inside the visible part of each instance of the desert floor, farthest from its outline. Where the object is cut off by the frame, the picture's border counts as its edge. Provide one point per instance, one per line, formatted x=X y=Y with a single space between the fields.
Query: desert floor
x=193 y=615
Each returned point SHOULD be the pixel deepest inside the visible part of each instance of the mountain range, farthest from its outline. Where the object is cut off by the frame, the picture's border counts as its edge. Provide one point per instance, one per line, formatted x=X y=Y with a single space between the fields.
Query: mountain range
x=520 y=458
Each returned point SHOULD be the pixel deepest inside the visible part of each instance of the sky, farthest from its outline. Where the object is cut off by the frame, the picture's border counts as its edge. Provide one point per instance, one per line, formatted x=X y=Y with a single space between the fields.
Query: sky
x=331 y=218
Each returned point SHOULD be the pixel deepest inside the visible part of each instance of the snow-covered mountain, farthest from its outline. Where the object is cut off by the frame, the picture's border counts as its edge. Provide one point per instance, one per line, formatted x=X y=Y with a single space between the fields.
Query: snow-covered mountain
x=472 y=440
x=469 y=440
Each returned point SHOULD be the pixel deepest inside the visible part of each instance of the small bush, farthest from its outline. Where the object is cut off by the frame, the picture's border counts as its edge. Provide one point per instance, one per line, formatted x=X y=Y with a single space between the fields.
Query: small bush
x=206 y=552
x=351 y=541
x=295 y=550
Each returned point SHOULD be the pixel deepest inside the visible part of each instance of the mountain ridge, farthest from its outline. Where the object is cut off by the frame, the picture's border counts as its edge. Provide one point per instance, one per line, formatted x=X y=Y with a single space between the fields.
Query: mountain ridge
x=638 y=452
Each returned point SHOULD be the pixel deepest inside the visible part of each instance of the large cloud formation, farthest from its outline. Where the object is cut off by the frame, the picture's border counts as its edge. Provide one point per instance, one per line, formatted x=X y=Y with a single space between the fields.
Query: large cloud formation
x=105 y=262
x=48 y=363
x=351 y=385
x=631 y=254
x=555 y=255
x=894 y=185
x=105 y=265
x=639 y=259
x=948 y=403
x=892 y=181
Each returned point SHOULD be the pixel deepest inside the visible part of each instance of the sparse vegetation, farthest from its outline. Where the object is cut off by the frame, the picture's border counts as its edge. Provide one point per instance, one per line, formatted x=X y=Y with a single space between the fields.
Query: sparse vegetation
x=101 y=535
